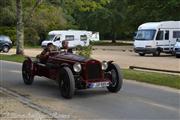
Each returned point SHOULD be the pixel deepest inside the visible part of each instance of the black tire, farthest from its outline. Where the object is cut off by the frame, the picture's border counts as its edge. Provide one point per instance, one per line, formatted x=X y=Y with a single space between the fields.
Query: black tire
x=116 y=77
x=177 y=55
x=66 y=83
x=28 y=78
x=157 y=53
x=141 y=54
x=5 y=49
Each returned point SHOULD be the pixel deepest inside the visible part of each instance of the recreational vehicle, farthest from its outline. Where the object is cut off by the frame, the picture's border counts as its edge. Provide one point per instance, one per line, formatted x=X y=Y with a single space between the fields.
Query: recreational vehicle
x=156 y=37
x=74 y=37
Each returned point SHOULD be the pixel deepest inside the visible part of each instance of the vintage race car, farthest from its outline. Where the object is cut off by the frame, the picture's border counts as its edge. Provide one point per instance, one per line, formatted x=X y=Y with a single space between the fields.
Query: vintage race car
x=73 y=72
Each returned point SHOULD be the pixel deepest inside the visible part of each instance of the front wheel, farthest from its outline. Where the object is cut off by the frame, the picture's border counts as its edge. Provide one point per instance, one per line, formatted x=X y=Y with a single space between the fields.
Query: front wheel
x=28 y=78
x=157 y=53
x=177 y=55
x=5 y=49
x=66 y=83
x=116 y=78
x=141 y=54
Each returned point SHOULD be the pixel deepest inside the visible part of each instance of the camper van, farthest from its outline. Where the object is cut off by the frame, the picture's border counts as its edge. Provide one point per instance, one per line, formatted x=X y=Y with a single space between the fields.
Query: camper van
x=74 y=37
x=156 y=37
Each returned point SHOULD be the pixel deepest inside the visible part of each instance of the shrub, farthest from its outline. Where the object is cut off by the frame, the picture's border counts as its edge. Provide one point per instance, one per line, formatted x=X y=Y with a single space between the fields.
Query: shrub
x=85 y=51
x=31 y=37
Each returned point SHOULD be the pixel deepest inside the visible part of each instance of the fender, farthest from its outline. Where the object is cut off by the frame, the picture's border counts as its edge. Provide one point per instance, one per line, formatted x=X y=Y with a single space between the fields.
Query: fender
x=7 y=44
x=109 y=62
x=64 y=65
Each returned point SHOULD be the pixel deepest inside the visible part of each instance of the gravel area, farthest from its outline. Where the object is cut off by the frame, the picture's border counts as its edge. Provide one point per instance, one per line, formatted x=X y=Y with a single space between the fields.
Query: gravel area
x=125 y=57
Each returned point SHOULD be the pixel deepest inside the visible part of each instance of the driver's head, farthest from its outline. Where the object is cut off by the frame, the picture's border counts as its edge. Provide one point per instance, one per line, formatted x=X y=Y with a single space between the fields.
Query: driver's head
x=50 y=46
x=65 y=44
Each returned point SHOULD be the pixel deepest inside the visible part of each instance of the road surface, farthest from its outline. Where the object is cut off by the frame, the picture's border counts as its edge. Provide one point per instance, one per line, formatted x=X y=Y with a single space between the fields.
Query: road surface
x=134 y=102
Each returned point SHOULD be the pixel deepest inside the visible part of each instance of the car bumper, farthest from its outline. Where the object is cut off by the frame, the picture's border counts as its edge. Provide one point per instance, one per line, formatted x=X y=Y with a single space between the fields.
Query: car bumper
x=144 y=50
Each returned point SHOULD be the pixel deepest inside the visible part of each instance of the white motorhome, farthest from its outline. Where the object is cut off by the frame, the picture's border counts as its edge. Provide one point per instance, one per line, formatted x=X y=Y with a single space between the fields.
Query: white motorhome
x=74 y=37
x=156 y=37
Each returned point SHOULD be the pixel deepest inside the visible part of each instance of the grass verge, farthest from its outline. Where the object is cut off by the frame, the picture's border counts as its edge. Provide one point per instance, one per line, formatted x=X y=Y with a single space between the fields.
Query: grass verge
x=153 y=78
x=141 y=76
x=13 y=58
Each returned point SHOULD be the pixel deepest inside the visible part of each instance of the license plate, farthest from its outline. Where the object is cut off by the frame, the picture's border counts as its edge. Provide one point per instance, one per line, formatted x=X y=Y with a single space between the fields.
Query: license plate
x=99 y=84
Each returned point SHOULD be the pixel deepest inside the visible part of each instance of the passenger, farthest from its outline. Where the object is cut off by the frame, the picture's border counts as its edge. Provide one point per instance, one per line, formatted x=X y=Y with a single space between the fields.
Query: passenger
x=66 y=47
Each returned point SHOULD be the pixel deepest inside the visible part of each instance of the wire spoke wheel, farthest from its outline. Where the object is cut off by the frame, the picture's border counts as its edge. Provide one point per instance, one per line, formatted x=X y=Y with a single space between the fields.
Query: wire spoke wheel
x=67 y=83
x=116 y=78
x=28 y=78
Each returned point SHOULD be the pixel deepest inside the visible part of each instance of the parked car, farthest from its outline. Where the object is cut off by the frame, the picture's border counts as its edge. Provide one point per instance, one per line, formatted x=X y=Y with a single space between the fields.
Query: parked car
x=72 y=72
x=177 y=48
x=5 y=43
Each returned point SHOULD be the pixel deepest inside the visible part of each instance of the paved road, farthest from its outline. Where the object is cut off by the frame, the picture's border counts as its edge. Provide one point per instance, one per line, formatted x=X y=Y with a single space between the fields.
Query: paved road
x=134 y=101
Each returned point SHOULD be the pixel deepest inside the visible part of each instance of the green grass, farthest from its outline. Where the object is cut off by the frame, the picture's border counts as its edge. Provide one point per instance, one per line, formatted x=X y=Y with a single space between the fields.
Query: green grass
x=13 y=58
x=142 y=76
x=153 y=78
x=108 y=43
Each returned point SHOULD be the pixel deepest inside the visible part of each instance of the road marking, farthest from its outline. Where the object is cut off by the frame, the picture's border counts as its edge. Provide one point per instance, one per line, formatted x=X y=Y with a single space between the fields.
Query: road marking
x=10 y=62
x=159 y=105
x=15 y=71
x=153 y=86
x=26 y=101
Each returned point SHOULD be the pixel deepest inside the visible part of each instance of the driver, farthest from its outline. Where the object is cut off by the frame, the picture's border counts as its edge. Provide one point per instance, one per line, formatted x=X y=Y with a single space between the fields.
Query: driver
x=45 y=53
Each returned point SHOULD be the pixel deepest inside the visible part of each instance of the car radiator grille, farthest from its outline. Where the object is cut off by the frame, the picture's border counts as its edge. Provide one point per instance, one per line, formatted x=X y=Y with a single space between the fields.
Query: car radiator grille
x=93 y=71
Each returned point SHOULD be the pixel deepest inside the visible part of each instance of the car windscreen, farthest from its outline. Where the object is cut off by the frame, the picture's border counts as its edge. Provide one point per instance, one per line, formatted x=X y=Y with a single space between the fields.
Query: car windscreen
x=145 y=35
x=5 y=38
x=50 y=37
x=178 y=40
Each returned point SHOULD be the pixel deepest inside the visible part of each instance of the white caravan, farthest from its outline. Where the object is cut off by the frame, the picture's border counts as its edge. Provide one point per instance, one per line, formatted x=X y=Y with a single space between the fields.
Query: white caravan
x=156 y=37
x=74 y=37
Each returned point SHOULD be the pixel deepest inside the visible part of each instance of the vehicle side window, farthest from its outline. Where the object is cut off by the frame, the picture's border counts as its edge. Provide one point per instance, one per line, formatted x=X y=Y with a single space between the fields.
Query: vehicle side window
x=166 y=35
x=2 y=38
x=176 y=34
x=69 y=37
x=57 y=38
x=83 y=37
x=160 y=35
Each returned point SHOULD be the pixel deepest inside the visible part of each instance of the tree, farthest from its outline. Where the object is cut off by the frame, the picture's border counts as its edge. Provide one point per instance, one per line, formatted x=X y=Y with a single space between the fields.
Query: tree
x=47 y=18
x=107 y=18
x=7 y=13
x=20 y=25
x=20 y=28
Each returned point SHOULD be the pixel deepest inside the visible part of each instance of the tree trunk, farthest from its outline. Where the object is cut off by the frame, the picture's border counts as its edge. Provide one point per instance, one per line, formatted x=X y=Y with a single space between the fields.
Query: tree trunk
x=20 y=28
x=114 y=37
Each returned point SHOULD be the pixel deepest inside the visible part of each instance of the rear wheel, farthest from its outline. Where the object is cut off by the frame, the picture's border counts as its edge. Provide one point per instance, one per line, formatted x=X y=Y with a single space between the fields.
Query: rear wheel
x=177 y=55
x=5 y=49
x=157 y=53
x=66 y=83
x=28 y=78
x=116 y=78
x=141 y=54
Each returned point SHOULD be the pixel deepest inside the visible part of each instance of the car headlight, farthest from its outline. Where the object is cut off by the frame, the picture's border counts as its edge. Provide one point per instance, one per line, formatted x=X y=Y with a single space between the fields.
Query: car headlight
x=77 y=67
x=104 y=65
